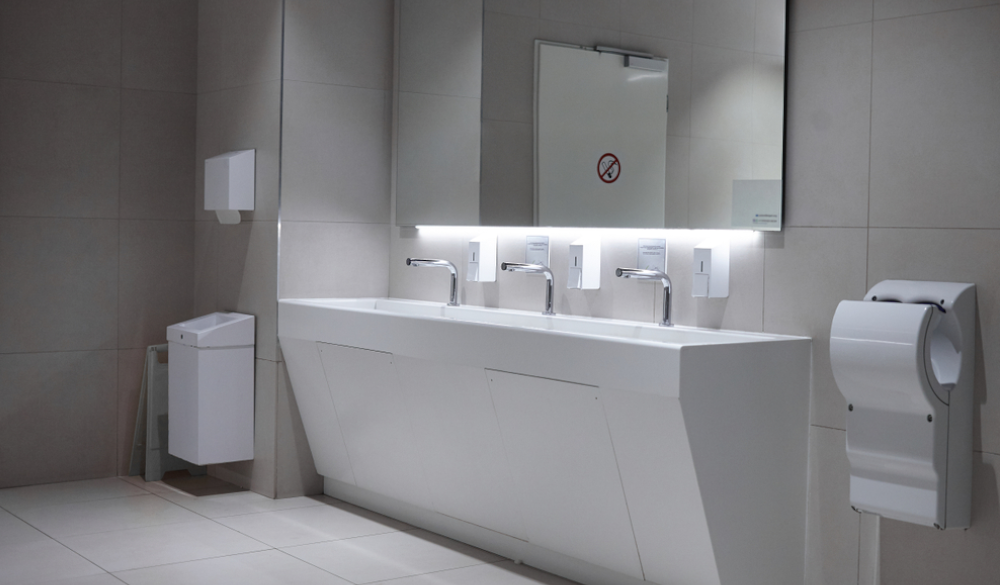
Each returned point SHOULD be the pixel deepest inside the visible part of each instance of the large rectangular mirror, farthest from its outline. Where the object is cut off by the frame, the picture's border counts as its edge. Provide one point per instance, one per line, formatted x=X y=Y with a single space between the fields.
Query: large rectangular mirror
x=491 y=127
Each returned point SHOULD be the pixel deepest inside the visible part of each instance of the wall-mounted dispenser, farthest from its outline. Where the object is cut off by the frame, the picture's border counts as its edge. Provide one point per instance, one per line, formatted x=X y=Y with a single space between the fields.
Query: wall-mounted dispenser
x=482 y=266
x=711 y=270
x=585 y=264
x=229 y=184
x=904 y=360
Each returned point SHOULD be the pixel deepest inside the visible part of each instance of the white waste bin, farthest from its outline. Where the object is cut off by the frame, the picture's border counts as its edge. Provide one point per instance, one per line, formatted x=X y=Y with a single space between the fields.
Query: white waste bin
x=211 y=393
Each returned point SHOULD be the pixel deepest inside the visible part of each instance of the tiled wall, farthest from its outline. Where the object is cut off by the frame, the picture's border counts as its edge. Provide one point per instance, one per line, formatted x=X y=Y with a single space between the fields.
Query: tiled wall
x=97 y=118
x=726 y=70
x=893 y=171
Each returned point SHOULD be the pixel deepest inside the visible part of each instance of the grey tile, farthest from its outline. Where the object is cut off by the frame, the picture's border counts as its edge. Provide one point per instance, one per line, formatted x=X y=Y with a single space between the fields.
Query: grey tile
x=768 y=100
x=829 y=105
x=577 y=34
x=59 y=284
x=807 y=272
x=722 y=94
x=898 y=8
x=810 y=14
x=131 y=364
x=205 y=262
x=58 y=150
x=239 y=43
x=680 y=55
x=715 y=164
x=530 y=8
x=69 y=41
x=155 y=280
x=246 y=277
x=60 y=416
x=953 y=256
x=768 y=163
x=509 y=67
x=593 y=13
x=331 y=259
x=921 y=555
x=160 y=45
x=507 y=188
x=431 y=130
x=441 y=47
x=295 y=471
x=770 y=23
x=157 y=158
x=669 y=19
x=677 y=182
x=831 y=525
x=727 y=24
x=868 y=550
x=930 y=138
x=336 y=149
x=340 y=41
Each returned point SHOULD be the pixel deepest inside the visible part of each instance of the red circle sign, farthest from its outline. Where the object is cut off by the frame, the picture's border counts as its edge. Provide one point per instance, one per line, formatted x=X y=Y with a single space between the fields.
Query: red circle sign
x=608 y=168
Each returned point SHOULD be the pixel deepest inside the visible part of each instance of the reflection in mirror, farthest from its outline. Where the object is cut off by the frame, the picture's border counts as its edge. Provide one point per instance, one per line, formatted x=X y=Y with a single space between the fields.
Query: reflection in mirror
x=723 y=147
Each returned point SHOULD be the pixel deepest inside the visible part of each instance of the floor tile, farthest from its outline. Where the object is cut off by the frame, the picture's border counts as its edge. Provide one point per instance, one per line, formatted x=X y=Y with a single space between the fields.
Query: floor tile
x=391 y=556
x=44 y=561
x=311 y=525
x=263 y=568
x=122 y=550
x=13 y=531
x=505 y=573
x=106 y=515
x=37 y=496
x=220 y=506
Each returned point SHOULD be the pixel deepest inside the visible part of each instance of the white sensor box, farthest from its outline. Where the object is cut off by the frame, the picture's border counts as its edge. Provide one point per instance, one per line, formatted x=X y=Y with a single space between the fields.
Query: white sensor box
x=585 y=264
x=711 y=270
x=482 y=266
x=229 y=184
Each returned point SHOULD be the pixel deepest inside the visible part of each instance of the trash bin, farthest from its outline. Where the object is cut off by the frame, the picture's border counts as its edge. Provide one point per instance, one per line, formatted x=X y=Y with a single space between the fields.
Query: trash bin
x=210 y=388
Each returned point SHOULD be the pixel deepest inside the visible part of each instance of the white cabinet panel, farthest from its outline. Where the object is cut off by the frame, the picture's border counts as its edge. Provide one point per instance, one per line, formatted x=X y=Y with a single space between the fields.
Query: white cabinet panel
x=375 y=422
x=459 y=439
x=305 y=368
x=557 y=441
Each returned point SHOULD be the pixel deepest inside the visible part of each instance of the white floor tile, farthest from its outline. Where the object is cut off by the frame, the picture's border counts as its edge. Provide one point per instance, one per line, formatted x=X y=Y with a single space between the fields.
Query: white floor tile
x=44 y=561
x=102 y=579
x=153 y=487
x=312 y=524
x=36 y=496
x=263 y=568
x=123 y=550
x=106 y=515
x=391 y=556
x=14 y=531
x=505 y=573
x=236 y=504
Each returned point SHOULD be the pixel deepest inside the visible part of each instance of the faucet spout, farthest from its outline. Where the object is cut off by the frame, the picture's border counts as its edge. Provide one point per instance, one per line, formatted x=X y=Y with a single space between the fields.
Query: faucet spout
x=453 y=297
x=535 y=269
x=641 y=274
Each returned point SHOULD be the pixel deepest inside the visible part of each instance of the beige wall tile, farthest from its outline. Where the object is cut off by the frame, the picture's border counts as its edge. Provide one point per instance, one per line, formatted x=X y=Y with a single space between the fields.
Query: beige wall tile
x=594 y=13
x=295 y=470
x=918 y=555
x=715 y=164
x=441 y=47
x=339 y=41
x=59 y=284
x=530 y=8
x=155 y=280
x=67 y=41
x=829 y=98
x=724 y=23
x=722 y=94
x=507 y=189
x=769 y=25
x=677 y=182
x=577 y=34
x=205 y=275
x=810 y=14
x=58 y=150
x=668 y=19
x=131 y=364
x=807 y=272
x=509 y=67
x=868 y=550
x=898 y=8
x=239 y=43
x=953 y=256
x=768 y=100
x=832 y=527
x=157 y=157
x=336 y=149
x=60 y=416
x=679 y=83
x=160 y=45
x=246 y=273
x=320 y=259
x=935 y=154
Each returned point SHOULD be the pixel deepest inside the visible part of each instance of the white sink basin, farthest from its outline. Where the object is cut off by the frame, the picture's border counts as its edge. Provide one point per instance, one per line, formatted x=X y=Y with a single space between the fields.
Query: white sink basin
x=606 y=451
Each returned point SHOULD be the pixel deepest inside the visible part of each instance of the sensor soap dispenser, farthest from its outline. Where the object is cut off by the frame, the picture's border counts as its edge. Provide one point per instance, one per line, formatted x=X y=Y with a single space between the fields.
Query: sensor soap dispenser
x=904 y=360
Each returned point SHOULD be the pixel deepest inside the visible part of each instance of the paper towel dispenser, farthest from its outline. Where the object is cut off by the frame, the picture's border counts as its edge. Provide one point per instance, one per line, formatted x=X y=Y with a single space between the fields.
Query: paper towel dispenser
x=904 y=359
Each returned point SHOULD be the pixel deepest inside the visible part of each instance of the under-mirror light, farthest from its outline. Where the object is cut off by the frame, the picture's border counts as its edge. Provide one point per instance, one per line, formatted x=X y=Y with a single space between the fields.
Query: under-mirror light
x=457 y=230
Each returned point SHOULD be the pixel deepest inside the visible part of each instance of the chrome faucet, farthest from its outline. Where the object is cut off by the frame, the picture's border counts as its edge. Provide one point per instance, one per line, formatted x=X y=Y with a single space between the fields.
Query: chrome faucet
x=641 y=274
x=453 y=298
x=535 y=269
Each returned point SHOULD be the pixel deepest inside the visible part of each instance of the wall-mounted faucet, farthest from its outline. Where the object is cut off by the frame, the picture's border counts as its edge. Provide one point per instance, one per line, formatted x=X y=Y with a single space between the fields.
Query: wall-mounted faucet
x=535 y=269
x=453 y=298
x=652 y=275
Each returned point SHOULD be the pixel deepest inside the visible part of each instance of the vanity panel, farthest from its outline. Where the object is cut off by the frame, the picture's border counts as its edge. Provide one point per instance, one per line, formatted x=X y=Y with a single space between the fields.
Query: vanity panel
x=567 y=482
